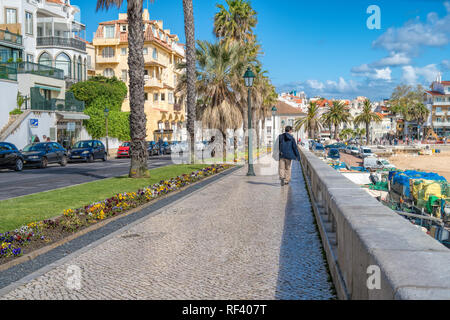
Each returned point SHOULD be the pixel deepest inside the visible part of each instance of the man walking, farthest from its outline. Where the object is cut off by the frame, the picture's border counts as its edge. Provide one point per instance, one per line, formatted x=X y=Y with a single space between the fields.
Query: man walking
x=288 y=151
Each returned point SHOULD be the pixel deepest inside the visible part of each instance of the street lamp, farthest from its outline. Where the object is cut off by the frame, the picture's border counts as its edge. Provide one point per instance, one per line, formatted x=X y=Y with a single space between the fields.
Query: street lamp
x=274 y=113
x=249 y=76
x=106 y=112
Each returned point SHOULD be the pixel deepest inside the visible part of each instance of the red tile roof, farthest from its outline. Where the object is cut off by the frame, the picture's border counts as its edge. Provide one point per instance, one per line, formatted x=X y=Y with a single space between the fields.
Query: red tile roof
x=435 y=93
x=284 y=108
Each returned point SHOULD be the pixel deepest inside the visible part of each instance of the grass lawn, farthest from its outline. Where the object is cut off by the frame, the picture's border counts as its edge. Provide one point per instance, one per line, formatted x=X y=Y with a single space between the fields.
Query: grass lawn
x=36 y=207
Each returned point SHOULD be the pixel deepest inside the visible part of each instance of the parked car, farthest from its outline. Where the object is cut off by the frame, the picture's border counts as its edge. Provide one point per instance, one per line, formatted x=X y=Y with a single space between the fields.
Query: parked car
x=152 y=148
x=88 y=150
x=319 y=149
x=334 y=154
x=124 y=150
x=166 y=148
x=375 y=163
x=10 y=157
x=43 y=153
x=365 y=152
x=338 y=145
x=354 y=151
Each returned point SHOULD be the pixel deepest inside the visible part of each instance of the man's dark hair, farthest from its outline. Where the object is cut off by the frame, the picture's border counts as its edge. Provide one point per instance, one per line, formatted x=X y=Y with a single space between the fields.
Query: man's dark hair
x=288 y=129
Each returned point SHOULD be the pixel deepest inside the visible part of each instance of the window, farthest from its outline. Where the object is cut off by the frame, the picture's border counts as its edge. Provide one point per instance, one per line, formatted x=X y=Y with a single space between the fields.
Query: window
x=145 y=72
x=269 y=130
x=108 y=52
x=123 y=51
x=30 y=58
x=145 y=51
x=170 y=97
x=163 y=97
x=11 y=15
x=109 y=32
x=155 y=97
x=146 y=96
x=123 y=28
x=45 y=59
x=28 y=22
x=124 y=75
x=108 y=72
x=63 y=62
x=155 y=54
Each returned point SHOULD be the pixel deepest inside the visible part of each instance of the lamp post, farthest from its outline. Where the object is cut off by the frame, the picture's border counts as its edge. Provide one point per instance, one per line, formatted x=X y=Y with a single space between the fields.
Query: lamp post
x=106 y=112
x=249 y=77
x=274 y=113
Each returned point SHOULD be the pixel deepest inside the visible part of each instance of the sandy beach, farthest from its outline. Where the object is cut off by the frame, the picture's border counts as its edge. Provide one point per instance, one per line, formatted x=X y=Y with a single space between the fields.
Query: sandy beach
x=439 y=163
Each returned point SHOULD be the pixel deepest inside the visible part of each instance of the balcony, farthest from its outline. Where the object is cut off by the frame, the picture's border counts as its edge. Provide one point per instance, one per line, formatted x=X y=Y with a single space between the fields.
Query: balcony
x=8 y=73
x=151 y=62
x=111 y=60
x=10 y=38
x=153 y=83
x=73 y=43
x=69 y=104
x=37 y=69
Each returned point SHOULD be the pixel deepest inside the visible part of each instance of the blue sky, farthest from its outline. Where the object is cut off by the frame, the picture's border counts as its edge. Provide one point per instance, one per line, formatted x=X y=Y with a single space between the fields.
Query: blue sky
x=324 y=47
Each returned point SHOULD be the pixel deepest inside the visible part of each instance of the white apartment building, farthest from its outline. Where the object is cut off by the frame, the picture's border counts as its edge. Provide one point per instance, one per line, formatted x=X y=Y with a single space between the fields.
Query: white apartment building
x=50 y=34
x=42 y=52
x=437 y=100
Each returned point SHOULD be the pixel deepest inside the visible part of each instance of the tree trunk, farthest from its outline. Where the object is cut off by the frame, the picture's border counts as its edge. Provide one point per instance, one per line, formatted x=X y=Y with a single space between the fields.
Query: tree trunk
x=190 y=72
x=245 y=117
x=224 y=143
x=258 y=136
x=367 y=133
x=235 y=145
x=138 y=119
x=336 y=130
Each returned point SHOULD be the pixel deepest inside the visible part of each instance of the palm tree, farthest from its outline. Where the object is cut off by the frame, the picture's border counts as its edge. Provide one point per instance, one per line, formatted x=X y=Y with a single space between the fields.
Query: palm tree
x=367 y=117
x=312 y=122
x=419 y=113
x=346 y=133
x=138 y=119
x=189 y=30
x=236 y=23
x=336 y=115
x=216 y=63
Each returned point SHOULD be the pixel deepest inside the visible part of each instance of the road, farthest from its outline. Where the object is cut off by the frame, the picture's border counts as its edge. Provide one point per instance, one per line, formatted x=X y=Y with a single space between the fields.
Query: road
x=31 y=180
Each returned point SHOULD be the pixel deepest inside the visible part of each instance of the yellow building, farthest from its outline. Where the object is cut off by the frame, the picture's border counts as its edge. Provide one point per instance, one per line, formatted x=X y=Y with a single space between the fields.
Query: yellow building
x=165 y=116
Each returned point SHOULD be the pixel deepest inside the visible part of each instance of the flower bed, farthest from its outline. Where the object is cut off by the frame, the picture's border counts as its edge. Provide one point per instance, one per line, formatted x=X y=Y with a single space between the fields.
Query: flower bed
x=38 y=234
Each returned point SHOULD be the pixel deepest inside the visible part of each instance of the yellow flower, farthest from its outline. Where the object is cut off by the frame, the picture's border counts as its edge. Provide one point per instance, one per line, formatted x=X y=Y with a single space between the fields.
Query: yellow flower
x=4 y=245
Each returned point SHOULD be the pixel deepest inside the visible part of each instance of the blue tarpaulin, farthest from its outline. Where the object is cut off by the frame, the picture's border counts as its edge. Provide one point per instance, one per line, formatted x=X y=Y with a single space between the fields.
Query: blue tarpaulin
x=403 y=178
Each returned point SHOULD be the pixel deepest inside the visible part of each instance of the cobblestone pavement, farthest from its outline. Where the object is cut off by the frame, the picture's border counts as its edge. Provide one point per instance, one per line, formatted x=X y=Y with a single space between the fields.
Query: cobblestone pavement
x=239 y=238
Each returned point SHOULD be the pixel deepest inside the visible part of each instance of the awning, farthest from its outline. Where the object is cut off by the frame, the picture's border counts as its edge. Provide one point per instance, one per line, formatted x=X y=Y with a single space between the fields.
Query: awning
x=48 y=88
x=73 y=116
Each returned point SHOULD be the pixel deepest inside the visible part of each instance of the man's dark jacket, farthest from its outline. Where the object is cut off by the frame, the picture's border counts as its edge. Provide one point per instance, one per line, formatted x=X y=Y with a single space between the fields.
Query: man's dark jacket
x=288 y=147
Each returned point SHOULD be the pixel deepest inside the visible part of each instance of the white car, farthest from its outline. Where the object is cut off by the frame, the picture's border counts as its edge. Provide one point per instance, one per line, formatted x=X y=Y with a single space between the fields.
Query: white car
x=375 y=163
x=365 y=152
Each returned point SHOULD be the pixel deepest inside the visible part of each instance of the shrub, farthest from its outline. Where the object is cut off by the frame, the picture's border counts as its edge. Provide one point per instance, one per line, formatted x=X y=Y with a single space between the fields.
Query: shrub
x=16 y=111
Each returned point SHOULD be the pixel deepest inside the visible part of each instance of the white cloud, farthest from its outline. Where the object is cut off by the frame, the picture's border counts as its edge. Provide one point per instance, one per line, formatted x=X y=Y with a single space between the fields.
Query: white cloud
x=412 y=74
x=414 y=34
x=370 y=72
x=445 y=64
x=341 y=89
x=395 y=59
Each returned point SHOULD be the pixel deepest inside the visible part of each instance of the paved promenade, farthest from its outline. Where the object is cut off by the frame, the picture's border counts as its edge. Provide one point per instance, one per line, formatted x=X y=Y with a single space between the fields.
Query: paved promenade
x=238 y=238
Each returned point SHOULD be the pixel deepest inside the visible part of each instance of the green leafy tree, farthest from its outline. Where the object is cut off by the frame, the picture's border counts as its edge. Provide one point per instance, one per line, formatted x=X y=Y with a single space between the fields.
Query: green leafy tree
x=367 y=116
x=99 y=93
x=312 y=122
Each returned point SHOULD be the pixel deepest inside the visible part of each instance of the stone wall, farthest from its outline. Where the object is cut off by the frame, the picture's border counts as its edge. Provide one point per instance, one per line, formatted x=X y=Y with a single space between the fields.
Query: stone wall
x=361 y=235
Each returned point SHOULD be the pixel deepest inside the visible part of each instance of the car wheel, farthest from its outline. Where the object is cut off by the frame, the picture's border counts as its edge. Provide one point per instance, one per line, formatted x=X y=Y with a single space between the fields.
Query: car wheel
x=63 y=162
x=105 y=157
x=90 y=158
x=44 y=163
x=19 y=165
